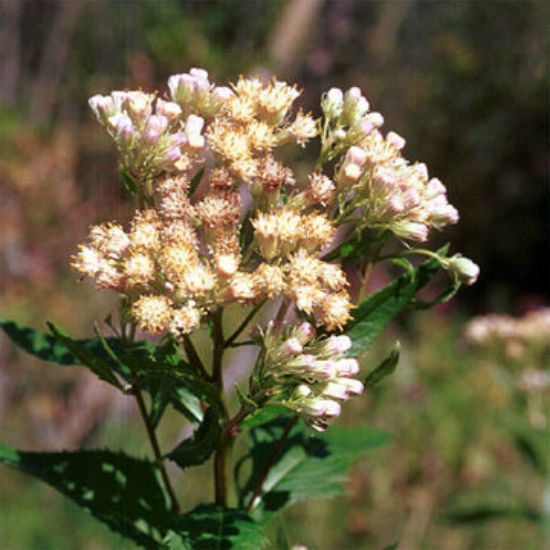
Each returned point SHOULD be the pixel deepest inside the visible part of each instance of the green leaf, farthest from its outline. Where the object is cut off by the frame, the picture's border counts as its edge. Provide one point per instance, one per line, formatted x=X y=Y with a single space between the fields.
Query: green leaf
x=123 y=492
x=98 y=366
x=197 y=449
x=385 y=368
x=306 y=467
x=376 y=312
x=209 y=527
x=143 y=357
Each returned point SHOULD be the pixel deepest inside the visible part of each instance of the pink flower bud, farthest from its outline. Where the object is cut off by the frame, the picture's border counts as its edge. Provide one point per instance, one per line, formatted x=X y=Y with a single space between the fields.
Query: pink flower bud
x=157 y=123
x=352 y=385
x=336 y=391
x=332 y=408
x=371 y=122
x=347 y=367
x=325 y=369
x=102 y=106
x=305 y=333
x=292 y=346
x=356 y=155
x=421 y=171
x=435 y=188
x=337 y=345
x=395 y=140
x=169 y=109
x=223 y=93
x=411 y=230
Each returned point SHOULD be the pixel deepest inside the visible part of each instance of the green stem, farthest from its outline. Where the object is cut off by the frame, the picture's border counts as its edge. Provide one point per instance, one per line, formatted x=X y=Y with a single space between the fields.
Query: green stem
x=194 y=358
x=155 y=446
x=242 y=326
x=128 y=340
x=277 y=449
x=220 y=457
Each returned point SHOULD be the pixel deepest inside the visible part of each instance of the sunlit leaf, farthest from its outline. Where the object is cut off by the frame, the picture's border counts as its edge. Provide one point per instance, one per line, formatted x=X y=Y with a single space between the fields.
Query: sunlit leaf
x=123 y=492
x=210 y=527
x=386 y=367
x=377 y=311
x=306 y=466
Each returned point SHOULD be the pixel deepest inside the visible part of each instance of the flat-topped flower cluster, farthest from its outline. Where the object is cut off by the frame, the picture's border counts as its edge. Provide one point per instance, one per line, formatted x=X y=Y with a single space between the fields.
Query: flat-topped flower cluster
x=223 y=220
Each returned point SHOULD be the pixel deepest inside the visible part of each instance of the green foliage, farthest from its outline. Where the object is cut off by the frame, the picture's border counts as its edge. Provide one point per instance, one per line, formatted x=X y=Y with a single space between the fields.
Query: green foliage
x=197 y=449
x=209 y=526
x=375 y=313
x=85 y=357
x=48 y=347
x=386 y=367
x=123 y=492
x=303 y=467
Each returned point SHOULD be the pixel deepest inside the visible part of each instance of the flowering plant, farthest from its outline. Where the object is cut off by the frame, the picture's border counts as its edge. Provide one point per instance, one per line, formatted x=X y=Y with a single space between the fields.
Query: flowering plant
x=222 y=222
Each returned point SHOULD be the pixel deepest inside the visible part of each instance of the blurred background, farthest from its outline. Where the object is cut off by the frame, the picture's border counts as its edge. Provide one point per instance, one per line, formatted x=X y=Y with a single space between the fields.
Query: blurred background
x=465 y=81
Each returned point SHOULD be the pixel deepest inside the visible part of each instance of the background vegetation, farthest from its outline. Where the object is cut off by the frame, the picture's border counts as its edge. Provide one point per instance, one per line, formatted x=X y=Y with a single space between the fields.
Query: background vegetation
x=465 y=82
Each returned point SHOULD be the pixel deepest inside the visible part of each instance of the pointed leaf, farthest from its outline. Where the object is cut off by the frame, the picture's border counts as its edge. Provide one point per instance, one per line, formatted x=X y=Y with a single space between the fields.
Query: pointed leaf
x=123 y=492
x=102 y=369
x=376 y=312
x=210 y=527
x=197 y=449
x=385 y=368
x=307 y=466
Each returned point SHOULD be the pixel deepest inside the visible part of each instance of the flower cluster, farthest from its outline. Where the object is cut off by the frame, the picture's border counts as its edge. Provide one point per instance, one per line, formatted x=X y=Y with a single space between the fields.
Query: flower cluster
x=307 y=374
x=520 y=345
x=150 y=133
x=190 y=250
x=375 y=183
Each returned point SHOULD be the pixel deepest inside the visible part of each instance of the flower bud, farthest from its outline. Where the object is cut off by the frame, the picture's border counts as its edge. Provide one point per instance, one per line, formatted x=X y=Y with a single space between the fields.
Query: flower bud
x=464 y=269
x=332 y=103
x=222 y=93
x=395 y=140
x=356 y=155
x=335 y=391
x=411 y=230
x=305 y=333
x=301 y=391
x=102 y=106
x=337 y=345
x=352 y=385
x=292 y=346
x=169 y=109
x=371 y=122
x=347 y=367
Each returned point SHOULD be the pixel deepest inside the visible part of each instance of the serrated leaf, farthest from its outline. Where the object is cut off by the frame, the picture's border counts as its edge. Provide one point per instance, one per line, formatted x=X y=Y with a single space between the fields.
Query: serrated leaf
x=386 y=367
x=376 y=312
x=307 y=467
x=102 y=369
x=123 y=492
x=197 y=449
x=209 y=527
